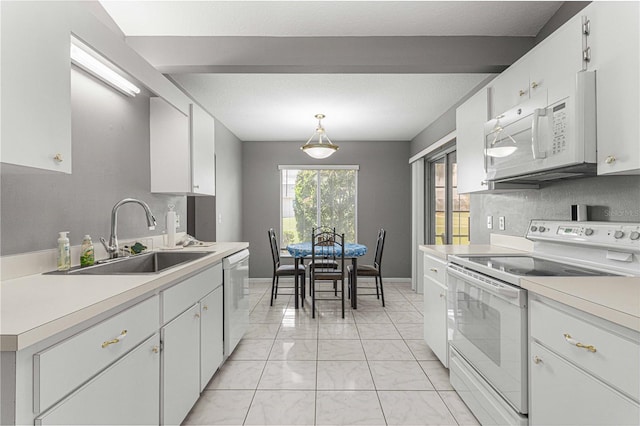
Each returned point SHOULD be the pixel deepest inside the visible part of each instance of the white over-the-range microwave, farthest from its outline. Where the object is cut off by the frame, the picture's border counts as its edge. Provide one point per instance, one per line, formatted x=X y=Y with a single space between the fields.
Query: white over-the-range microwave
x=536 y=142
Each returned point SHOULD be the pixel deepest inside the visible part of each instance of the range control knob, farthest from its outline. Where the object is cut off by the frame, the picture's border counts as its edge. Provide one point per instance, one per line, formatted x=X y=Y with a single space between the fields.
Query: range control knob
x=534 y=228
x=618 y=235
x=635 y=235
x=588 y=232
x=542 y=229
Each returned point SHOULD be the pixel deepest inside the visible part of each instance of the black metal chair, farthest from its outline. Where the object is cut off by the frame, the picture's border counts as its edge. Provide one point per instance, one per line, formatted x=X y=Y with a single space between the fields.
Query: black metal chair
x=282 y=270
x=327 y=246
x=374 y=270
x=319 y=260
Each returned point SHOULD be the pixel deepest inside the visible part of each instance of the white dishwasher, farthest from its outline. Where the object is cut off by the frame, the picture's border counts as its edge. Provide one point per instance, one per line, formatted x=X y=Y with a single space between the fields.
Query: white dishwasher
x=236 y=299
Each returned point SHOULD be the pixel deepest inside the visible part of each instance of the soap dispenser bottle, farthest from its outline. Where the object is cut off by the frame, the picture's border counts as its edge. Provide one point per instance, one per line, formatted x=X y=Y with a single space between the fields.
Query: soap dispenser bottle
x=87 y=257
x=64 y=255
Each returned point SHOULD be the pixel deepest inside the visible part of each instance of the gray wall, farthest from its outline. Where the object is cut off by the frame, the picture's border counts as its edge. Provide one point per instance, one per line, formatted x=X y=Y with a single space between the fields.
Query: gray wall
x=612 y=198
x=384 y=197
x=110 y=134
x=228 y=200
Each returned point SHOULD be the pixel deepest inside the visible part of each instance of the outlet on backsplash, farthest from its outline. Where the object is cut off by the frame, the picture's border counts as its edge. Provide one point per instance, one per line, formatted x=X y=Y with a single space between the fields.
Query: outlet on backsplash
x=501 y=223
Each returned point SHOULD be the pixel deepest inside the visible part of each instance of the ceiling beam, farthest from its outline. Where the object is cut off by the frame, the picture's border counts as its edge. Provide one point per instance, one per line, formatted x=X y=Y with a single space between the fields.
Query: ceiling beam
x=424 y=54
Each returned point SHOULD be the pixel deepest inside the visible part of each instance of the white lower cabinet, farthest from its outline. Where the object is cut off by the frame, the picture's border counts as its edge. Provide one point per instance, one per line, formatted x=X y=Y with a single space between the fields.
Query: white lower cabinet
x=143 y=365
x=435 y=308
x=563 y=394
x=180 y=365
x=583 y=369
x=192 y=342
x=211 y=330
x=126 y=393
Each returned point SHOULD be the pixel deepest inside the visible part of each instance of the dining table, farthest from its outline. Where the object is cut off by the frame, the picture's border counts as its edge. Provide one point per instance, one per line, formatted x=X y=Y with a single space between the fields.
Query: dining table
x=353 y=251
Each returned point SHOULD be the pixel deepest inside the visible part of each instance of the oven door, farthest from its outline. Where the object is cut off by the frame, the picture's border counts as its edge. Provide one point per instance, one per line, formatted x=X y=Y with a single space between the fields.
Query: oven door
x=489 y=331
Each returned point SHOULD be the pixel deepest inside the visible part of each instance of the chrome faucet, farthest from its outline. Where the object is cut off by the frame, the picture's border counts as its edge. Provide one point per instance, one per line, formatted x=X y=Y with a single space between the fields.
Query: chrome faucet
x=112 y=247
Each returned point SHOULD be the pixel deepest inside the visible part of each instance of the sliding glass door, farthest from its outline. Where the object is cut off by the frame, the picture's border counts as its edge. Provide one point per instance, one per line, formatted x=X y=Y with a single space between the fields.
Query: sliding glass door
x=447 y=212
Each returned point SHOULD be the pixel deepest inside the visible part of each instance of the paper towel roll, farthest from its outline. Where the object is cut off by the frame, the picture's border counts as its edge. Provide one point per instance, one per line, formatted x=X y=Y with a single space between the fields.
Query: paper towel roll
x=171 y=228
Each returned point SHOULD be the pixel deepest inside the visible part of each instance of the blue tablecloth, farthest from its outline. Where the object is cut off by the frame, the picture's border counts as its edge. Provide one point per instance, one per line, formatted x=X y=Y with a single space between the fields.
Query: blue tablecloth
x=304 y=250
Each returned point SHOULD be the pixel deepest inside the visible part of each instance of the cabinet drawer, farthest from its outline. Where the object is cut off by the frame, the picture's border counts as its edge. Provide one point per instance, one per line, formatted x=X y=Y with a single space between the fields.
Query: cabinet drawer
x=590 y=402
x=61 y=368
x=183 y=295
x=617 y=351
x=126 y=393
x=435 y=269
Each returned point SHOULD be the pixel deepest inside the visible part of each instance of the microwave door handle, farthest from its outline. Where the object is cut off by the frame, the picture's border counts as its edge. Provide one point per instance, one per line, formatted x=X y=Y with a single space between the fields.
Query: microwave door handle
x=535 y=133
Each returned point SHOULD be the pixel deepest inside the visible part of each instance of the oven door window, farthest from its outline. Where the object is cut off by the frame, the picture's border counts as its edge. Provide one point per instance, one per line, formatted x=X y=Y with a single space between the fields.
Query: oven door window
x=479 y=322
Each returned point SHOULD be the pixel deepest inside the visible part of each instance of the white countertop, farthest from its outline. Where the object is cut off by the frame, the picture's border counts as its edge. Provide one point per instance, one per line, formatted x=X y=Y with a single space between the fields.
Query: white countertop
x=35 y=307
x=616 y=299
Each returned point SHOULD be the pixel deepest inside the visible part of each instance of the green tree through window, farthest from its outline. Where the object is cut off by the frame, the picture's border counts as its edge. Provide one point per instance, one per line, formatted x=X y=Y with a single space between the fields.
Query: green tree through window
x=311 y=198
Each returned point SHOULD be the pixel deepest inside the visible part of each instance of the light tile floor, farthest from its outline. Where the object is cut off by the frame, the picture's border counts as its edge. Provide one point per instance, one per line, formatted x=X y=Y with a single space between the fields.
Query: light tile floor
x=370 y=368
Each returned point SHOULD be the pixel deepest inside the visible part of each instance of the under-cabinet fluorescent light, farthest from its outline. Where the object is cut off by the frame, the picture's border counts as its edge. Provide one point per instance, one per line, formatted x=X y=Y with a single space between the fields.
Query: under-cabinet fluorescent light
x=90 y=63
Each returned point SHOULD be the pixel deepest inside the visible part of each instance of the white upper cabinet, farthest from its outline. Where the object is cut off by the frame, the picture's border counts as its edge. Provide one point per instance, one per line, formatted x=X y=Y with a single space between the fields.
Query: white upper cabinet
x=202 y=152
x=182 y=150
x=36 y=85
x=470 y=119
x=510 y=88
x=547 y=73
x=614 y=44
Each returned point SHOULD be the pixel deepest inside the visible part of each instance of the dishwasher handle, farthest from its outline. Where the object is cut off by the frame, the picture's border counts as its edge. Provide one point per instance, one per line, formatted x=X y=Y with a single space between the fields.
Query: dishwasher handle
x=231 y=261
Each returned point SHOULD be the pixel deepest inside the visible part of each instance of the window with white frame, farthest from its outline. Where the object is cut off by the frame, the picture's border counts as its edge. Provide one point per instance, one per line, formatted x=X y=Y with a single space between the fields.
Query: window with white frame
x=312 y=196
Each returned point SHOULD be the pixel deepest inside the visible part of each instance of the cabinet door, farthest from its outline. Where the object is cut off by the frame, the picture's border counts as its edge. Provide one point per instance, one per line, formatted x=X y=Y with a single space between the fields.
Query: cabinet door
x=36 y=85
x=511 y=87
x=203 y=173
x=435 y=318
x=555 y=62
x=615 y=55
x=169 y=148
x=562 y=394
x=470 y=119
x=211 y=344
x=180 y=365
x=124 y=394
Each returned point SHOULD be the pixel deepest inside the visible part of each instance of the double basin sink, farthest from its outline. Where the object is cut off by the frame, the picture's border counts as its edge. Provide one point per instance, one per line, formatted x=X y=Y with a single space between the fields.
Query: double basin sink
x=147 y=263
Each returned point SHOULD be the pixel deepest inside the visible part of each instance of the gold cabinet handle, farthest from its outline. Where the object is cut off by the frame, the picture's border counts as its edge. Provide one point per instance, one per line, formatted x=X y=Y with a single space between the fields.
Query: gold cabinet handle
x=196 y=316
x=574 y=342
x=155 y=349
x=205 y=308
x=58 y=157
x=433 y=270
x=610 y=159
x=441 y=295
x=521 y=92
x=122 y=335
x=537 y=359
x=534 y=85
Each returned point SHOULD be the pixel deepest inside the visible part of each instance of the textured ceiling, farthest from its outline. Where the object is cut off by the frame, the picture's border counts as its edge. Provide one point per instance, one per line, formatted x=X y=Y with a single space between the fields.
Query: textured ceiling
x=330 y=18
x=357 y=106
x=281 y=104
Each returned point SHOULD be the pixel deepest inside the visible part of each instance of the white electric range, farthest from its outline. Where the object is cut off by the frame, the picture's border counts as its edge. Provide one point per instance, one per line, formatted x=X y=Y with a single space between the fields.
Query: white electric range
x=488 y=309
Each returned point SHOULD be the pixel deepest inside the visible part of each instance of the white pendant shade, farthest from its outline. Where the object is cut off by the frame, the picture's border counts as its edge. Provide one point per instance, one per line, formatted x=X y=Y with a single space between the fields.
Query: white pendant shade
x=319 y=145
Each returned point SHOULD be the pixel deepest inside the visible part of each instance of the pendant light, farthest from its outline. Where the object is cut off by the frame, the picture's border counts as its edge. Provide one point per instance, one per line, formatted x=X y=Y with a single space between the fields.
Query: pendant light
x=315 y=147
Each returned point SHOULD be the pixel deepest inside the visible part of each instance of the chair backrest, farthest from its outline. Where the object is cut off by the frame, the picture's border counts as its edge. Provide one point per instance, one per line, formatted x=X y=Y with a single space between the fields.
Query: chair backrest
x=275 y=251
x=327 y=244
x=377 y=259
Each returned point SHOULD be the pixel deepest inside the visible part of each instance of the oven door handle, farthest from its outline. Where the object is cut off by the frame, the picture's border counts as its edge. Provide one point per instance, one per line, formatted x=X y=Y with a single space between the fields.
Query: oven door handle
x=502 y=292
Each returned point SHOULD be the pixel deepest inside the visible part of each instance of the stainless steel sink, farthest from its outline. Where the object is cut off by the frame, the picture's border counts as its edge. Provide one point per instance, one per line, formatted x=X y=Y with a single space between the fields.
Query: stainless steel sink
x=148 y=263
